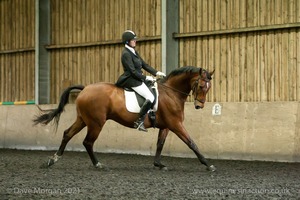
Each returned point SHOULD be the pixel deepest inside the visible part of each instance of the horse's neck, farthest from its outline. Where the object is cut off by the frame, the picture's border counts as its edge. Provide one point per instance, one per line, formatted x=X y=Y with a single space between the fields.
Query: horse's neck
x=181 y=83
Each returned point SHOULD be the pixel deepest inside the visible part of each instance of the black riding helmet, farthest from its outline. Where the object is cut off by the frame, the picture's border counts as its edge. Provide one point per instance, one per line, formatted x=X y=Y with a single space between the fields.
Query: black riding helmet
x=127 y=36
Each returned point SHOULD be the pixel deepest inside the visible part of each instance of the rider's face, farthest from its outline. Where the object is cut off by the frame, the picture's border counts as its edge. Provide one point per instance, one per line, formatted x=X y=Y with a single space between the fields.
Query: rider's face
x=132 y=43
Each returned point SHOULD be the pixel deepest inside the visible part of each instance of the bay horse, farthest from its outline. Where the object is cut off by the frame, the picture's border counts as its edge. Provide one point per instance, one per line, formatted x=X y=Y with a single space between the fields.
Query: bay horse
x=99 y=102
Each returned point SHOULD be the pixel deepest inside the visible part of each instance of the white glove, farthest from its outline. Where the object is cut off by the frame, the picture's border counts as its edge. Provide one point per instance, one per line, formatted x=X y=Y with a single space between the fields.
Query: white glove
x=150 y=78
x=160 y=74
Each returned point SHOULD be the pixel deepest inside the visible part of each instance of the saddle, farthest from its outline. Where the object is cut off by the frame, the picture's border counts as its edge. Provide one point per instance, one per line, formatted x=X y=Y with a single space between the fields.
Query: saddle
x=134 y=101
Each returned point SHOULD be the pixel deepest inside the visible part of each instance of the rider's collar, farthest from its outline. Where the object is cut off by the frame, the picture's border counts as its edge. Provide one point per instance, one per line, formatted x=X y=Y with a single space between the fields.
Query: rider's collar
x=130 y=48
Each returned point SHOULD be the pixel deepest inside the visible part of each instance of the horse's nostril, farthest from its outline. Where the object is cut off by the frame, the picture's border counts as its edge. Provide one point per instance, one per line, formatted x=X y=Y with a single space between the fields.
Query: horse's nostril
x=197 y=107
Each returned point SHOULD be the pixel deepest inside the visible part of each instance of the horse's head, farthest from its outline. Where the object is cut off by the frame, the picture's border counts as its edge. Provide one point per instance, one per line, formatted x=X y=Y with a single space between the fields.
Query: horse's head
x=198 y=79
x=201 y=87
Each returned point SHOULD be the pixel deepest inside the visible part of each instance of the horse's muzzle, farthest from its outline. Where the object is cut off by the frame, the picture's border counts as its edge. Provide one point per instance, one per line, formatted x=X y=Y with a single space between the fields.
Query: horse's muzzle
x=199 y=104
x=198 y=107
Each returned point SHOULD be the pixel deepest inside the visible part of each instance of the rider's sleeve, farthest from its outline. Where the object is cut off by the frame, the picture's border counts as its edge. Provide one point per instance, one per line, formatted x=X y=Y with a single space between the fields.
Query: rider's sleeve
x=147 y=67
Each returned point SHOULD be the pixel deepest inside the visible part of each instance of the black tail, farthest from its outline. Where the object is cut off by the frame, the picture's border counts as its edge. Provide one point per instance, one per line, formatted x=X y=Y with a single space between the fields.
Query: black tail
x=47 y=116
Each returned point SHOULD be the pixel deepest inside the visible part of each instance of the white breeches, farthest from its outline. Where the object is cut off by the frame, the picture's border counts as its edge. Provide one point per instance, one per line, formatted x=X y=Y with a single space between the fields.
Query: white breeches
x=144 y=91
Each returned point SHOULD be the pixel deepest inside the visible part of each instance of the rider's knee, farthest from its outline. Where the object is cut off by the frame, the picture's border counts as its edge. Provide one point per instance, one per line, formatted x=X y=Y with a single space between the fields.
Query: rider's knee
x=151 y=98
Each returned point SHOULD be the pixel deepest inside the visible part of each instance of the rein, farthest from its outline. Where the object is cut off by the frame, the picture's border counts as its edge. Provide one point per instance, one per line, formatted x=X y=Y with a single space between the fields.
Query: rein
x=174 y=89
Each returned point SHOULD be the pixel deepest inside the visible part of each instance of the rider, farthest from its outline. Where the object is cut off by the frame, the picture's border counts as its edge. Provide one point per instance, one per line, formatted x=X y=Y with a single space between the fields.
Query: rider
x=133 y=76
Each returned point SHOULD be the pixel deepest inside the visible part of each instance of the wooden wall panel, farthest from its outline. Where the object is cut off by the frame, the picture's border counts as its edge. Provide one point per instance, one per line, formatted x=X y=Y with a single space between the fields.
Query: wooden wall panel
x=86 y=39
x=17 y=59
x=253 y=45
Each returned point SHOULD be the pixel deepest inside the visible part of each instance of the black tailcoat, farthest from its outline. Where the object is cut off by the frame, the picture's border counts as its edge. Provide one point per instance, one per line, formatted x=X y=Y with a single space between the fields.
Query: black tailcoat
x=133 y=65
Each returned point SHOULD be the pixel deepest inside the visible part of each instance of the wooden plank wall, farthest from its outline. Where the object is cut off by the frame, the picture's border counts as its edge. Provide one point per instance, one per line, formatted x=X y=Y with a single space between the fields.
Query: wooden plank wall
x=86 y=39
x=258 y=65
x=17 y=33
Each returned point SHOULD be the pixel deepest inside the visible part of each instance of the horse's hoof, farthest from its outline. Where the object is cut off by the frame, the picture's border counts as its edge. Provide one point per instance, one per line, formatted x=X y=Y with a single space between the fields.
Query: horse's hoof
x=160 y=166
x=51 y=161
x=99 y=166
x=211 y=168
x=164 y=168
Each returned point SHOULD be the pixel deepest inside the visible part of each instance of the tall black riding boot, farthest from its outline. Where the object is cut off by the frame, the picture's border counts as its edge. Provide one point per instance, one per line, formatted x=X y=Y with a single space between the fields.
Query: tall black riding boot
x=139 y=124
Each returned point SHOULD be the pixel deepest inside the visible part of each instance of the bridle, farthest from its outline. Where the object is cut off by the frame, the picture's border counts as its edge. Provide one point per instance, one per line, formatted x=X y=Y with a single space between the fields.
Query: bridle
x=194 y=88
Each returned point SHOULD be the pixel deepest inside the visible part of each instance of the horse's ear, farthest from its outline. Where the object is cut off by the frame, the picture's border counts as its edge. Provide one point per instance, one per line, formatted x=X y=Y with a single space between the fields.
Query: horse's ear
x=200 y=71
x=211 y=73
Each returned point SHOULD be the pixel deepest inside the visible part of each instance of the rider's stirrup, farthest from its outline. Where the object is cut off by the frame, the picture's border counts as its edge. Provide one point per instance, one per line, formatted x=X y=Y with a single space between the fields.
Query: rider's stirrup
x=140 y=126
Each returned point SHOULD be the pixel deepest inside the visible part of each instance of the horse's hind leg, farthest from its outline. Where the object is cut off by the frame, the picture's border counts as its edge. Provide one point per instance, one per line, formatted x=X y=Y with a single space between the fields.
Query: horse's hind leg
x=77 y=126
x=162 y=134
x=92 y=135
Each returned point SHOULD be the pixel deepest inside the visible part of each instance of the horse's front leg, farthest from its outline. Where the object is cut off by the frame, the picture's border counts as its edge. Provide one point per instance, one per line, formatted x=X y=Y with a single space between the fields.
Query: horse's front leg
x=181 y=132
x=162 y=134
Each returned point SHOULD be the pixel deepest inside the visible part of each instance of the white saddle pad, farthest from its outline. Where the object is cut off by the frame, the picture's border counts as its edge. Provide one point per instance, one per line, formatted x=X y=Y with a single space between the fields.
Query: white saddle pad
x=132 y=104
